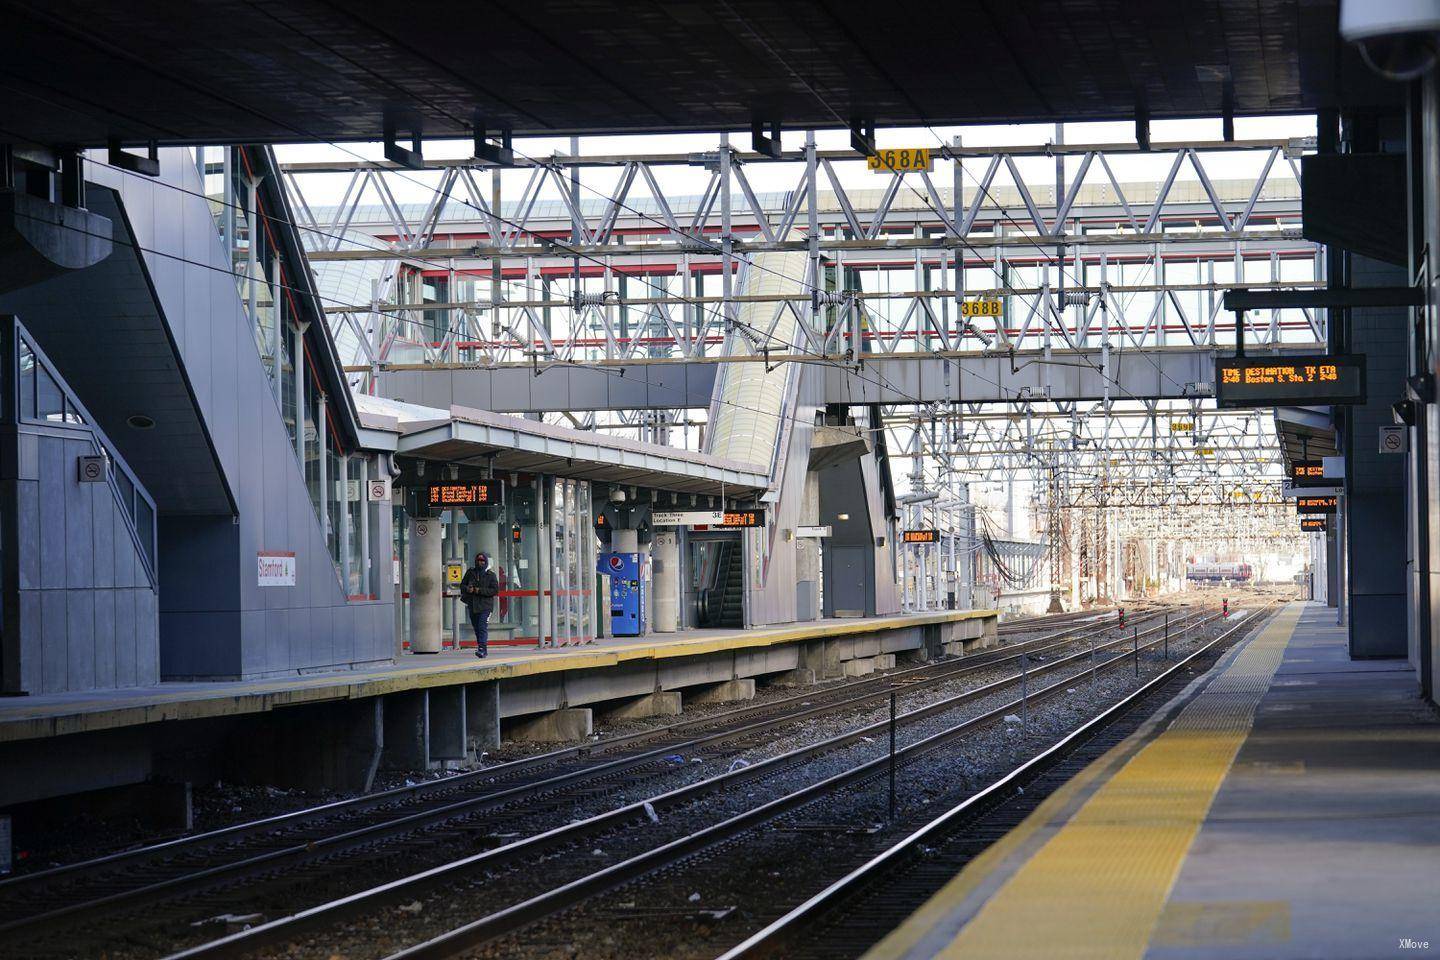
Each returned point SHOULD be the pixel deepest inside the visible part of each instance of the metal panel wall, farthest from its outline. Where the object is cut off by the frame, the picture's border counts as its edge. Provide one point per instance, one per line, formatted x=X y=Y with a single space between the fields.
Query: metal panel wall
x=87 y=607
x=216 y=621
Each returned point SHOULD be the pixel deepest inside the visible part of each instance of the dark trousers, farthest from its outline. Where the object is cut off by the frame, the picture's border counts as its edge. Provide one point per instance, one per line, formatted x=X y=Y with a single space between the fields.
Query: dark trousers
x=480 y=621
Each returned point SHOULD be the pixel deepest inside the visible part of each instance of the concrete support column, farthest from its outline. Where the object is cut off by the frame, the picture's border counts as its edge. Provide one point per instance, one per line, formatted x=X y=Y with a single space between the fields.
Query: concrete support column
x=666 y=571
x=447 y=716
x=426 y=575
x=661 y=703
x=557 y=726
x=407 y=731
x=482 y=716
x=727 y=692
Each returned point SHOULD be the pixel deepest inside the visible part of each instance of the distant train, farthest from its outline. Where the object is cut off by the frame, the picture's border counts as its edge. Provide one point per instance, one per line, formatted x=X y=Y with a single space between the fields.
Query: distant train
x=1217 y=572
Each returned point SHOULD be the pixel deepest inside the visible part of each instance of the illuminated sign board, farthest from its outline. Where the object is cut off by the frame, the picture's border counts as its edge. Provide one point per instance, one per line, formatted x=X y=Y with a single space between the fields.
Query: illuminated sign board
x=1285 y=381
x=1316 y=504
x=901 y=160
x=1314 y=524
x=708 y=518
x=743 y=518
x=919 y=536
x=476 y=493
x=1309 y=473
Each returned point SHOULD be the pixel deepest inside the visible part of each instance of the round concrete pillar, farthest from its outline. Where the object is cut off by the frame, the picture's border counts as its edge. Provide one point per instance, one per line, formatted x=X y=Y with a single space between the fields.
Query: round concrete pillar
x=426 y=585
x=665 y=554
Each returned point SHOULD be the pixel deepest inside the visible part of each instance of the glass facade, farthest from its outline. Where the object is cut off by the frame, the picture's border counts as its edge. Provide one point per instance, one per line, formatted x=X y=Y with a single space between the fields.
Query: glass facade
x=542 y=547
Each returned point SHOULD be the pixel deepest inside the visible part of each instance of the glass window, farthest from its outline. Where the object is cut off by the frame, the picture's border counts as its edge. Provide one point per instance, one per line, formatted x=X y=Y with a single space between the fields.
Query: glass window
x=354 y=508
x=145 y=524
x=335 y=471
x=49 y=402
x=27 y=382
x=127 y=492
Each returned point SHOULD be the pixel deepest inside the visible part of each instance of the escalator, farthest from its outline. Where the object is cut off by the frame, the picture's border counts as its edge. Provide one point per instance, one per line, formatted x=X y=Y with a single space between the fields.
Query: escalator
x=722 y=594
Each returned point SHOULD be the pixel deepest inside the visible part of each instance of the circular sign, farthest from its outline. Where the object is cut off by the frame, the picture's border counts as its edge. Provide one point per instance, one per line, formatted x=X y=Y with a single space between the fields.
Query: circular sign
x=1393 y=440
x=422 y=529
x=616 y=562
x=92 y=469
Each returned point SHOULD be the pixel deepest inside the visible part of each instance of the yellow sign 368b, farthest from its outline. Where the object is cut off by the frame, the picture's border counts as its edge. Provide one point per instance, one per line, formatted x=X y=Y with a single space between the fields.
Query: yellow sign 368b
x=981 y=308
x=901 y=160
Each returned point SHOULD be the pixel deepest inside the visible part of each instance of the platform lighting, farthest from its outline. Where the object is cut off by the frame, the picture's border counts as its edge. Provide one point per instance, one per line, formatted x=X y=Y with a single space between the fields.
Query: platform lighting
x=842 y=516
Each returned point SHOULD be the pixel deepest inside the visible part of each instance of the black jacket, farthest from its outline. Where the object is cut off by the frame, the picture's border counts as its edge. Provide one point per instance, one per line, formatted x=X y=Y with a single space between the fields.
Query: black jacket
x=478 y=589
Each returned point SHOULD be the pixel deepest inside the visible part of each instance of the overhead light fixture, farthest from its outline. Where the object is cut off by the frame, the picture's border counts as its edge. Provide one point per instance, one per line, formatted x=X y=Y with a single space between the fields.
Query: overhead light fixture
x=842 y=516
x=140 y=422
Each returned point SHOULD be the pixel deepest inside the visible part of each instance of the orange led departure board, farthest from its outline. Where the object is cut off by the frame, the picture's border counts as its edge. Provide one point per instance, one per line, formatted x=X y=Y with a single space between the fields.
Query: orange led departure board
x=1315 y=504
x=1314 y=524
x=919 y=536
x=1282 y=381
x=743 y=518
x=1309 y=473
x=476 y=493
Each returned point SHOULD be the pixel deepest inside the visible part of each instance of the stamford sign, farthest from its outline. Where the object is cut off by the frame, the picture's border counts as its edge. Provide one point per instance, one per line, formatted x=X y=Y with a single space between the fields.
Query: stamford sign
x=275 y=568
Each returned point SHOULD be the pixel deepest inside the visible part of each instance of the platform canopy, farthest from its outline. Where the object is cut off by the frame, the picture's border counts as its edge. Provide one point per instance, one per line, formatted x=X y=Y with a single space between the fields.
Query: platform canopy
x=225 y=71
x=514 y=444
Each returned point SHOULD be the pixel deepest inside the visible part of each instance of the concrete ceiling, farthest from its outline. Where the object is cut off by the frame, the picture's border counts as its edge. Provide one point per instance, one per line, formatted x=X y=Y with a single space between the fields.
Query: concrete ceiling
x=212 y=71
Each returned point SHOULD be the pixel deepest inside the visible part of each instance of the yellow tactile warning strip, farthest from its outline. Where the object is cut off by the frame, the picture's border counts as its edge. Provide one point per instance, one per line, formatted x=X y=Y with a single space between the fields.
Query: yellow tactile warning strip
x=1098 y=886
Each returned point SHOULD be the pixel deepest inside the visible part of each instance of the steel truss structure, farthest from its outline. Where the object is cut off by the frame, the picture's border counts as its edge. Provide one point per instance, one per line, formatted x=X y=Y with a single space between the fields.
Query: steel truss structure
x=570 y=273
x=533 y=267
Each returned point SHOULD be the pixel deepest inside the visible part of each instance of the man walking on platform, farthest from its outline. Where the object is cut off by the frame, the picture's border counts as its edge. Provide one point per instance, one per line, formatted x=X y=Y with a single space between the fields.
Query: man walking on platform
x=478 y=590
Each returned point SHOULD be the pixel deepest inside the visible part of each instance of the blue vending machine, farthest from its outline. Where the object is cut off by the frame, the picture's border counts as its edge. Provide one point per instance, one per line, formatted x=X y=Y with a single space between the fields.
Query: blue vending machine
x=627 y=592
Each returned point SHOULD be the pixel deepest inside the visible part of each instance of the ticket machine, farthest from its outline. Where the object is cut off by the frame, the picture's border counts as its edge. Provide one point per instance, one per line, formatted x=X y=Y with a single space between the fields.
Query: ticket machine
x=627 y=592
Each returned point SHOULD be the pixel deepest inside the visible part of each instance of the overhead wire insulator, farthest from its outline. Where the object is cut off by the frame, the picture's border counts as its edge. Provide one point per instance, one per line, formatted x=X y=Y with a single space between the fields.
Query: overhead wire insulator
x=580 y=300
x=833 y=298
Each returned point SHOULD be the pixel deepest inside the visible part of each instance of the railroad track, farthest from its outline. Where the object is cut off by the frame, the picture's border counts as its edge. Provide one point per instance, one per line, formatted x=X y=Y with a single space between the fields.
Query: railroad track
x=860 y=908
x=37 y=902
x=575 y=835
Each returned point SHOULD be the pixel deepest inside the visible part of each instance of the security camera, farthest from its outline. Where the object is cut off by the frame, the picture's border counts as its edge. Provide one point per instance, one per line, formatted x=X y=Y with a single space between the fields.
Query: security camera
x=1398 y=39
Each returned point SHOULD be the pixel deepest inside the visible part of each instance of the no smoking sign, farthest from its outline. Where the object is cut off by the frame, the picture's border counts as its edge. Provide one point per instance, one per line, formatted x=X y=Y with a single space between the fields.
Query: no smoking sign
x=1394 y=439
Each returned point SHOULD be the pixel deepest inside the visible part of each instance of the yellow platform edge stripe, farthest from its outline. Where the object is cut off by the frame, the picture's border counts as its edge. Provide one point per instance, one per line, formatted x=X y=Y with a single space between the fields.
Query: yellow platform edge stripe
x=1099 y=885
x=231 y=698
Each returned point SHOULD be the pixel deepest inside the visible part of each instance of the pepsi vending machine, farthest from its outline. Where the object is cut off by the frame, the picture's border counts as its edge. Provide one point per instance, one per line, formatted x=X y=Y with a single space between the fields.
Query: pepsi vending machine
x=627 y=592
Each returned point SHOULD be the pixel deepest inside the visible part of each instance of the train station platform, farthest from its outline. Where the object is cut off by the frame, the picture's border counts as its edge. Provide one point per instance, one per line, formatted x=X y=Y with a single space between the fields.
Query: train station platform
x=425 y=709
x=1286 y=805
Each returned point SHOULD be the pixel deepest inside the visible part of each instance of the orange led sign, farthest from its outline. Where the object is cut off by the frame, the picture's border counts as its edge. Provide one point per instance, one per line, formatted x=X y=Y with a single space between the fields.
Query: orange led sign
x=1280 y=381
x=919 y=536
x=477 y=493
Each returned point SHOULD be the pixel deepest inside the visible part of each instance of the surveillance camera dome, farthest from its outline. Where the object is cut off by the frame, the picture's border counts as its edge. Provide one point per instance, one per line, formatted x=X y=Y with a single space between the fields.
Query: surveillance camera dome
x=1402 y=57
x=1398 y=39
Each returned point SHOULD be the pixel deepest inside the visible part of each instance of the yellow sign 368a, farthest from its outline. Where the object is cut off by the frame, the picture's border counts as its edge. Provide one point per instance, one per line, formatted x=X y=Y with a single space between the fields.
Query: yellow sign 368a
x=901 y=160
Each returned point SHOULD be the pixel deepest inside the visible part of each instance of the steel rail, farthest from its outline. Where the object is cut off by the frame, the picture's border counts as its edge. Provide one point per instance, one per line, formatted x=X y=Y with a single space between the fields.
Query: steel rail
x=342 y=908
x=925 y=676
x=788 y=924
x=477 y=932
